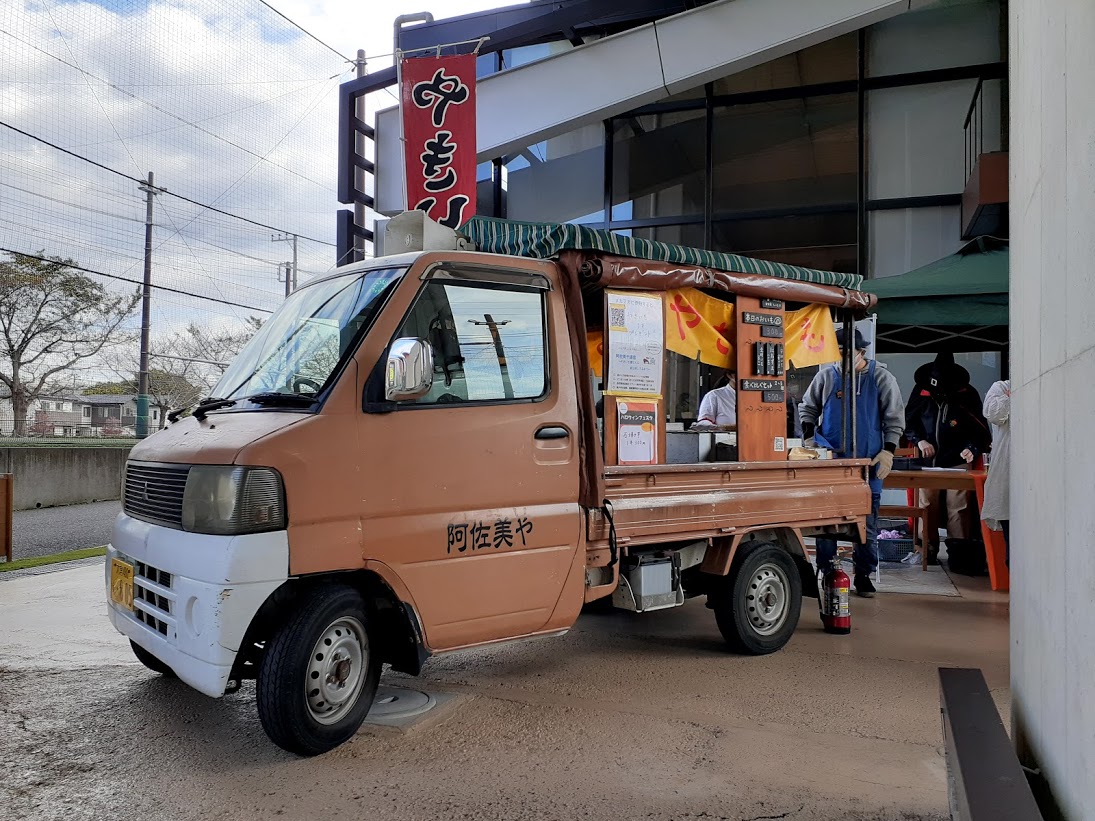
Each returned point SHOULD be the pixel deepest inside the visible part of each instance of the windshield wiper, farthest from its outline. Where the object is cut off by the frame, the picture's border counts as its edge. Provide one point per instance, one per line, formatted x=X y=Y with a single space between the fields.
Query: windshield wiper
x=211 y=403
x=274 y=398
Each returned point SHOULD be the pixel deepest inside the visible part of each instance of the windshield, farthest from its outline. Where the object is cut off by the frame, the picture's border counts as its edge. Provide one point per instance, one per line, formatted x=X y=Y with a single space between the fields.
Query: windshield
x=298 y=348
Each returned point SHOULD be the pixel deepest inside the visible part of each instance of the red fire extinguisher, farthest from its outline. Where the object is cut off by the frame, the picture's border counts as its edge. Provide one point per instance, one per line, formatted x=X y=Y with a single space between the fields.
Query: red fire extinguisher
x=836 y=611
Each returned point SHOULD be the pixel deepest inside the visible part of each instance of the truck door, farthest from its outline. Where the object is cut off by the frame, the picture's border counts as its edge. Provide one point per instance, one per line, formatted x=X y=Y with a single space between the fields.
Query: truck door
x=475 y=485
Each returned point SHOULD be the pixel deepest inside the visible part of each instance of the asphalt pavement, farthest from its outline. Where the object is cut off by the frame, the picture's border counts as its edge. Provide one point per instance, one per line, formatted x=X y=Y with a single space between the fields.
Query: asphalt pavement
x=57 y=529
x=630 y=717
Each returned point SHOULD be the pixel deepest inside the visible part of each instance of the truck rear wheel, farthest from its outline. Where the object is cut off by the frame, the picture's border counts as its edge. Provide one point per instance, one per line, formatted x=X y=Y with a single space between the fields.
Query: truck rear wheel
x=319 y=674
x=758 y=606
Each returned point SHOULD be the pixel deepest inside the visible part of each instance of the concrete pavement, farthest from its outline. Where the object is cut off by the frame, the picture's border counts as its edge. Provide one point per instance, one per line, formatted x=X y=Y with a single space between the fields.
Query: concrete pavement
x=627 y=717
x=56 y=529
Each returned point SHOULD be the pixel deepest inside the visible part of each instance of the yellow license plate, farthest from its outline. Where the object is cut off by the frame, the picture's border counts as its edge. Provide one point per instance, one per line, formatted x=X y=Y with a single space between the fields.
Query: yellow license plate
x=121 y=583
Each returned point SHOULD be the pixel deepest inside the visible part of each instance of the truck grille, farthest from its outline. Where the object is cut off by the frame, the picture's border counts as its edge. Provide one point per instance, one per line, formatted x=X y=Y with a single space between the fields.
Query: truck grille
x=154 y=493
x=153 y=598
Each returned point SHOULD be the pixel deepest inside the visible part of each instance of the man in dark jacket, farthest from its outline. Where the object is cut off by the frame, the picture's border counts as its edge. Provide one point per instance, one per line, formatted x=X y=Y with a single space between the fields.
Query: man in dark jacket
x=943 y=420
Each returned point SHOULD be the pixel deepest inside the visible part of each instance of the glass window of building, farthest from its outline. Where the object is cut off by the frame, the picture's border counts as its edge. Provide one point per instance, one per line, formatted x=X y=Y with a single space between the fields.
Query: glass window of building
x=786 y=154
x=690 y=234
x=916 y=146
x=951 y=34
x=825 y=241
x=560 y=179
x=828 y=62
x=658 y=165
x=904 y=239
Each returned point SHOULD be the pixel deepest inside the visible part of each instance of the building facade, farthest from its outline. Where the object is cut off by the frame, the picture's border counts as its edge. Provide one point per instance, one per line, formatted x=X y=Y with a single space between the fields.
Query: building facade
x=850 y=153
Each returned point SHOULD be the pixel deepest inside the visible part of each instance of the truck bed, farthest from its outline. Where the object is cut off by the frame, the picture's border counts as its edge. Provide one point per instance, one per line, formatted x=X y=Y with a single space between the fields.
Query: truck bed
x=670 y=503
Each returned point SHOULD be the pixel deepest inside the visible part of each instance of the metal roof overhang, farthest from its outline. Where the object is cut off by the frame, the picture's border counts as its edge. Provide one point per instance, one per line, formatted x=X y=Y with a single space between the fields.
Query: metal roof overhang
x=590 y=83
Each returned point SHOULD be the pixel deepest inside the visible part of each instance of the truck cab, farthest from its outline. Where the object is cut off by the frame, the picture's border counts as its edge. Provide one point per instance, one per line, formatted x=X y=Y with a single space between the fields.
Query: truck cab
x=405 y=461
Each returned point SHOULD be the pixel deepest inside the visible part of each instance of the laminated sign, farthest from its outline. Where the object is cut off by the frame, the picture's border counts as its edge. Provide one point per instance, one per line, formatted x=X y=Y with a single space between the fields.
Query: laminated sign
x=636 y=344
x=637 y=440
x=438 y=109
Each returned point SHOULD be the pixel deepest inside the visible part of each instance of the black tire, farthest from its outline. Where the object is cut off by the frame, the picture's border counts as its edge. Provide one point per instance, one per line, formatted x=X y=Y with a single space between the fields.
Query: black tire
x=753 y=626
x=150 y=661
x=287 y=708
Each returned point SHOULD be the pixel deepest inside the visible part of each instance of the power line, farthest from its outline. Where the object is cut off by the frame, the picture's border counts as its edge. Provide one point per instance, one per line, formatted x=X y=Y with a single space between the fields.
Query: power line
x=301 y=28
x=170 y=114
x=77 y=267
x=168 y=193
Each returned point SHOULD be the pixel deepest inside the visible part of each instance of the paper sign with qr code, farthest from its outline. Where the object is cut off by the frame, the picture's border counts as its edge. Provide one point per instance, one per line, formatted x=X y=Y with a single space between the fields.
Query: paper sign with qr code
x=636 y=344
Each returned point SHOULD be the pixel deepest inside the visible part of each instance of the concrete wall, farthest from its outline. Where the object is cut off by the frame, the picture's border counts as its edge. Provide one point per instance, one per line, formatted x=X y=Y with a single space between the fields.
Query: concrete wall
x=49 y=476
x=1053 y=400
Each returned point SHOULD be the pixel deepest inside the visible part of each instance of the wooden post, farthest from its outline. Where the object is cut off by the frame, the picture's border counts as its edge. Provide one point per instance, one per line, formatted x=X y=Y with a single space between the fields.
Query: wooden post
x=7 y=502
x=762 y=385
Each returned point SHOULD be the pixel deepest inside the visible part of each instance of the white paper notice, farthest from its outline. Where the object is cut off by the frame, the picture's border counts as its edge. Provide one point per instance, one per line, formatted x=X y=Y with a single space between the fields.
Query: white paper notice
x=638 y=432
x=636 y=344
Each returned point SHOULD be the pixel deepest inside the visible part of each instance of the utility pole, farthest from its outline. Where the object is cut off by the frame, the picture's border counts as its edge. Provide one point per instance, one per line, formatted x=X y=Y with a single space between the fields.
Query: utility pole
x=507 y=386
x=290 y=273
x=146 y=310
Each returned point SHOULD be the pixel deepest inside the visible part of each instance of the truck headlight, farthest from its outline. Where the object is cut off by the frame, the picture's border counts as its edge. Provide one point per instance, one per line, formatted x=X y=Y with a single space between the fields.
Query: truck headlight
x=225 y=500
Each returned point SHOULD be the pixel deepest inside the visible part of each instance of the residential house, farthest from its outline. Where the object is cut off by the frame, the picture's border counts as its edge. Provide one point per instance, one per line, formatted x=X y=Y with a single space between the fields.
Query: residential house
x=74 y=415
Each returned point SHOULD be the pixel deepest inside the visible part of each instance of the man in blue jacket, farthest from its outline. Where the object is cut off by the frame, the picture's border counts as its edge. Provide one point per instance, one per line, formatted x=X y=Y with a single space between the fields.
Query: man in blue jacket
x=880 y=421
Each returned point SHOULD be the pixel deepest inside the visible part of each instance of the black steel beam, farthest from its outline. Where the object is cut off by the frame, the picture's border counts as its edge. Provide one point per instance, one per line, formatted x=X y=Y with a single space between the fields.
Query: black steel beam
x=986 y=779
x=929 y=201
x=516 y=26
x=981 y=71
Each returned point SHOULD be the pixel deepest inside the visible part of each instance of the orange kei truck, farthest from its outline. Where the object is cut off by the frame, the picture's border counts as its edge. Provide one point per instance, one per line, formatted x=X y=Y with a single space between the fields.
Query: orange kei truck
x=406 y=460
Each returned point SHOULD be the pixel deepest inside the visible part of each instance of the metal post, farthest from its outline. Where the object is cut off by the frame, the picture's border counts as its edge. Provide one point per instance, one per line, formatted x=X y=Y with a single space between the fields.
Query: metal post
x=397 y=56
x=146 y=310
x=294 y=262
x=360 y=111
x=845 y=382
x=290 y=267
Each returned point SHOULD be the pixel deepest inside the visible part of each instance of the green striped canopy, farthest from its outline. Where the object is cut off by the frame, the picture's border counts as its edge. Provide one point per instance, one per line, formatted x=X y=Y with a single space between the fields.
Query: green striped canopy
x=544 y=240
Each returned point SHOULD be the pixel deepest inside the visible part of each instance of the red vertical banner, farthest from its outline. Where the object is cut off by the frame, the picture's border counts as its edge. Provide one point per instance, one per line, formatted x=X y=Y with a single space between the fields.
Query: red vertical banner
x=438 y=108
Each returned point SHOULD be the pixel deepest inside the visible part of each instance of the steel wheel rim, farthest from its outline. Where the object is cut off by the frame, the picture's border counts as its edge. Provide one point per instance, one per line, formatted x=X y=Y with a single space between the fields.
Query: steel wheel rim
x=767 y=599
x=336 y=670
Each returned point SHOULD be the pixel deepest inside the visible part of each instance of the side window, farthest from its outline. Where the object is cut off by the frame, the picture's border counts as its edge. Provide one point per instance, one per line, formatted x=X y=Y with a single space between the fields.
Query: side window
x=488 y=341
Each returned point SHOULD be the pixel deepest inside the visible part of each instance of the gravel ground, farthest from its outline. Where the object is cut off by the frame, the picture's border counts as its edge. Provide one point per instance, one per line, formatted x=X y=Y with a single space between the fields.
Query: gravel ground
x=627 y=718
x=55 y=529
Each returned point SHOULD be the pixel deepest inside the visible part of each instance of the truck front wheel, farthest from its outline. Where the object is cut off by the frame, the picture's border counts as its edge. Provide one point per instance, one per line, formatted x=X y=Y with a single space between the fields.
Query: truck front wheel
x=758 y=605
x=150 y=661
x=319 y=674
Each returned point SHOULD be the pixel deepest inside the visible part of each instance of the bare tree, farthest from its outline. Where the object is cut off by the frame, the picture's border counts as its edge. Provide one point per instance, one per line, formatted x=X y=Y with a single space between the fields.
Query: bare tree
x=186 y=365
x=52 y=317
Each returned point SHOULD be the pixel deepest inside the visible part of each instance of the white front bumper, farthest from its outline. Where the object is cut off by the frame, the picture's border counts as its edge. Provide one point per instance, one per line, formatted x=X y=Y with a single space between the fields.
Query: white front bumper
x=194 y=618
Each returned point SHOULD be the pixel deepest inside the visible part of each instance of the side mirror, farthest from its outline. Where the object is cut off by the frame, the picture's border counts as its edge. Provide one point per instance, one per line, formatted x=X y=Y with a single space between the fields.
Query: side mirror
x=409 y=373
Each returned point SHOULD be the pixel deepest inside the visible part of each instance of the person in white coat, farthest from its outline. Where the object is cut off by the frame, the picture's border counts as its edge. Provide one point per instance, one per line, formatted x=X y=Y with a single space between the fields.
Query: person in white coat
x=995 y=511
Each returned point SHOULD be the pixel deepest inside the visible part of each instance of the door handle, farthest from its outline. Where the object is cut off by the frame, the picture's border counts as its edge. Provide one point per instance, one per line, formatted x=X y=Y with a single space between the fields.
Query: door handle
x=552 y=432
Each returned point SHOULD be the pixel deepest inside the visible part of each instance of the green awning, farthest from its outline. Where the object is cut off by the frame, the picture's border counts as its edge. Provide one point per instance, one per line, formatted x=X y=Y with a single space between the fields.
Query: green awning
x=544 y=240
x=967 y=288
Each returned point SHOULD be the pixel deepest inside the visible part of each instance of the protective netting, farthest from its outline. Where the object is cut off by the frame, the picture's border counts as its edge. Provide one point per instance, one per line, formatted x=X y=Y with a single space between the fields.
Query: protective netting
x=234 y=111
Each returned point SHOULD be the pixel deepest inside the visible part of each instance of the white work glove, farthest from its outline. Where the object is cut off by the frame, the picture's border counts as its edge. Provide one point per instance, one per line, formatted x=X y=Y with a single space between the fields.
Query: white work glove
x=926 y=448
x=810 y=443
x=884 y=461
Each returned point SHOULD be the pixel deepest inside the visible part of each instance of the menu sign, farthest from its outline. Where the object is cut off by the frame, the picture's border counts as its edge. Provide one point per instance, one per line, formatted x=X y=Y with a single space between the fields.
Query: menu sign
x=636 y=344
x=637 y=440
x=750 y=318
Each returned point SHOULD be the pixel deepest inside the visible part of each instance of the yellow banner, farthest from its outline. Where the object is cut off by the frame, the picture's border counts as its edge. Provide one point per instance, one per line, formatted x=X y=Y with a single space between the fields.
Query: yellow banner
x=699 y=327
x=595 y=343
x=811 y=336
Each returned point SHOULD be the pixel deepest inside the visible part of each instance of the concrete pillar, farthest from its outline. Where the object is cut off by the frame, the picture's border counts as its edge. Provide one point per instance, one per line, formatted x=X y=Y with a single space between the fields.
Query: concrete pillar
x=1053 y=394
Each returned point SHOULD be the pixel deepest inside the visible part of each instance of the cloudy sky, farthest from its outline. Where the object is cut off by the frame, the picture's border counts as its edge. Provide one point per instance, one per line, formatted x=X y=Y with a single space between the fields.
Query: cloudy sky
x=226 y=102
